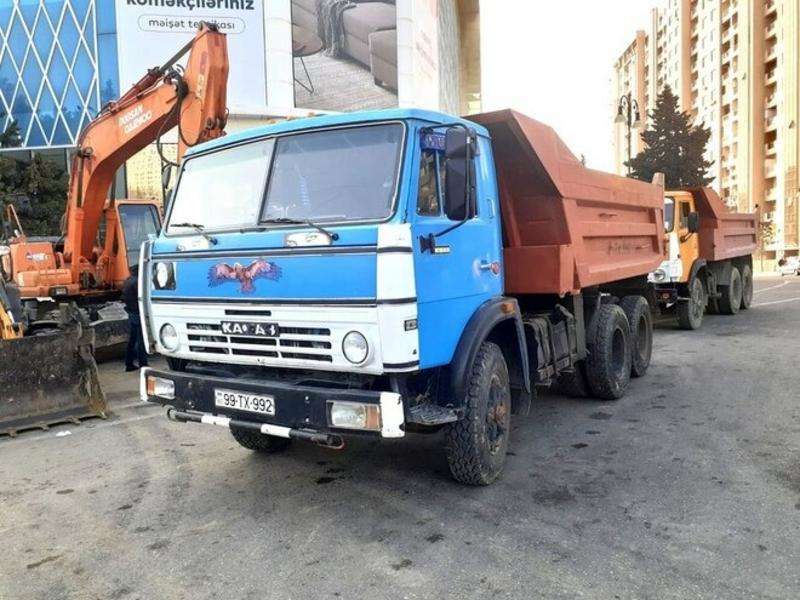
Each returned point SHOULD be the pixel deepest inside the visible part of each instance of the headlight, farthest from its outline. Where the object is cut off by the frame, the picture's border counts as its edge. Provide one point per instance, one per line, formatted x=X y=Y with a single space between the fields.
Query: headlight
x=355 y=347
x=169 y=338
x=354 y=415
x=164 y=276
x=659 y=275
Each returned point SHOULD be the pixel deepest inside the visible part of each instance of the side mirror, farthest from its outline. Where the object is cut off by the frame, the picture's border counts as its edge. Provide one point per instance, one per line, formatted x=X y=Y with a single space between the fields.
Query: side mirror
x=166 y=176
x=5 y=251
x=693 y=222
x=458 y=187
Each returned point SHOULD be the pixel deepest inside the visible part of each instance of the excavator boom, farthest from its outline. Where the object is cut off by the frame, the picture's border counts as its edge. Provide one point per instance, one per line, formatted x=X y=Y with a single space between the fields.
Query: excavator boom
x=48 y=372
x=193 y=100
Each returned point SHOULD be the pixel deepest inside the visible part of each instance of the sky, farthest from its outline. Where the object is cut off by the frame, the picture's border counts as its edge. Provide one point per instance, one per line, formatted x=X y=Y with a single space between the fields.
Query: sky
x=553 y=60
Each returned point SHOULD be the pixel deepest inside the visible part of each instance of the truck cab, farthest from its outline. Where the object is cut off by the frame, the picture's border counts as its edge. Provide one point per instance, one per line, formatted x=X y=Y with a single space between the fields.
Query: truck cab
x=681 y=221
x=708 y=257
x=346 y=274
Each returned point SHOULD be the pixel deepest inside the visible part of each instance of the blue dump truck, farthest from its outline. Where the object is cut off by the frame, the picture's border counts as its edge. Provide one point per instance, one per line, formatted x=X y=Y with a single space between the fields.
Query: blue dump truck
x=398 y=271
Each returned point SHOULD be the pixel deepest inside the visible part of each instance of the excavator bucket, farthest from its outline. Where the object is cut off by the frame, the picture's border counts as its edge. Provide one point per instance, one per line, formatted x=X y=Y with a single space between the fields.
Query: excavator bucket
x=49 y=377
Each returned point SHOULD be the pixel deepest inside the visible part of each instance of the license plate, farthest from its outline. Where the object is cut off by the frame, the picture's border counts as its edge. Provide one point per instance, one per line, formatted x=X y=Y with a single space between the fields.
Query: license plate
x=263 y=405
x=251 y=328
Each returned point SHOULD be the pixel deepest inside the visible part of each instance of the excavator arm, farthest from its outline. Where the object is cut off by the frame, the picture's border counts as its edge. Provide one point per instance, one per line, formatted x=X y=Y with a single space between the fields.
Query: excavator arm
x=193 y=99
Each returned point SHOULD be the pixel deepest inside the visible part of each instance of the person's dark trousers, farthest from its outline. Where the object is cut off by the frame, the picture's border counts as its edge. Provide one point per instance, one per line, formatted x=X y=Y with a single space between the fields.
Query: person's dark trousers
x=135 y=352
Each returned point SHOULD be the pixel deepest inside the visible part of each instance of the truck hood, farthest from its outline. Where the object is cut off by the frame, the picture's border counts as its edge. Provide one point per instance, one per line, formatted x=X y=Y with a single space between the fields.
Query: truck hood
x=260 y=267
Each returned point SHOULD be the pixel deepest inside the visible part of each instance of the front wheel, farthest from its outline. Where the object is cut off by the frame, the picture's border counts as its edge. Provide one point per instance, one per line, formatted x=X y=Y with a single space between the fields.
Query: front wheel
x=691 y=311
x=476 y=445
x=259 y=442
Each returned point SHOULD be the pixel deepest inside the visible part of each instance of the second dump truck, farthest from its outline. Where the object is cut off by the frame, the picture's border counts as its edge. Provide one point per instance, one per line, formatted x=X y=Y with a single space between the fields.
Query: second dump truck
x=397 y=271
x=708 y=264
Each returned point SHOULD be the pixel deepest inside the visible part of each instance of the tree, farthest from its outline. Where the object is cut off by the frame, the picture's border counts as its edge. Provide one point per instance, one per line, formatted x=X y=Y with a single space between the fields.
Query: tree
x=673 y=146
x=45 y=183
x=10 y=138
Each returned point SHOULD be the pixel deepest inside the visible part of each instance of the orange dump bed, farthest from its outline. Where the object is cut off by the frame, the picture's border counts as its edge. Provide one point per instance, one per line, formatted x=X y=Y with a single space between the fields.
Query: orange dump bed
x=723 y=234
x=567 y=227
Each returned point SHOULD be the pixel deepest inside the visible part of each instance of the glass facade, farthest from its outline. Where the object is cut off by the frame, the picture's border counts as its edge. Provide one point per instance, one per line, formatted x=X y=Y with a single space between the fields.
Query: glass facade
x=58 y=66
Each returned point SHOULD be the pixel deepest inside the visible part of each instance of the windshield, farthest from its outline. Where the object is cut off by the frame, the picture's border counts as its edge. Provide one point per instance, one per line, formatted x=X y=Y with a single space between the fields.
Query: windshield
x=139 y=221
x=222 y=190
x=669 y=215
x=334 y=175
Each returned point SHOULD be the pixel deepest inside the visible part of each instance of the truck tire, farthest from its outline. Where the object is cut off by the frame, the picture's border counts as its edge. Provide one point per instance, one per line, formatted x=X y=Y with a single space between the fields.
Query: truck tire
x=258 y=442
x=747 y=287
x=690 y=312
x=476 y=445
x=730 y=300
x=608 y=366
x=640 y=319
x=573 y=383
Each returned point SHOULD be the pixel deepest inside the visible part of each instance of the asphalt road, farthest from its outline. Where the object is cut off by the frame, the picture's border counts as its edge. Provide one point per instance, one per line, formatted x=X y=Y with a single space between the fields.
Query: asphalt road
x=687 y=488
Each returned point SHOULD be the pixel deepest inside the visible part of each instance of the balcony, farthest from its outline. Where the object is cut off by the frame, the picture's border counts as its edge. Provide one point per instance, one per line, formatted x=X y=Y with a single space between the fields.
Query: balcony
x=770 y=149
x=771 y=121
x=771 y=101
x=771 y=30
x=770 y=168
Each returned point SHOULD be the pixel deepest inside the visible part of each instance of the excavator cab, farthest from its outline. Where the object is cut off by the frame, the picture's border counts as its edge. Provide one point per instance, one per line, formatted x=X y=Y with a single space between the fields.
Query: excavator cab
x=138 y=221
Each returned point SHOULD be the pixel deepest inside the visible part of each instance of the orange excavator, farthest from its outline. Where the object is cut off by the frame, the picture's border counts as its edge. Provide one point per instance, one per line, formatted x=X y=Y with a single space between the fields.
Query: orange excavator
x=102 y=236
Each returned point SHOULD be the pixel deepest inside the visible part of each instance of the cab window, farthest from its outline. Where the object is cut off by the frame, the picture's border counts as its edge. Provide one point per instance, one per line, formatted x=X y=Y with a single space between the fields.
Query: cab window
x=432 y=185
x=686 y=210
x=669 y=215
x=428 y=200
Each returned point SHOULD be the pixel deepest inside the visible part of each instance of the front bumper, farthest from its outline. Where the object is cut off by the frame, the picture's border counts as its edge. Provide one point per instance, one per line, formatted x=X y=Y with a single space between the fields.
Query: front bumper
x=300 y=411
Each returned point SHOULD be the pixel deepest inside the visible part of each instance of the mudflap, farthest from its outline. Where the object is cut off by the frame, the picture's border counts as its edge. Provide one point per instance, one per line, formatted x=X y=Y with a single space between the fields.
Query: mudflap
x=49 y=377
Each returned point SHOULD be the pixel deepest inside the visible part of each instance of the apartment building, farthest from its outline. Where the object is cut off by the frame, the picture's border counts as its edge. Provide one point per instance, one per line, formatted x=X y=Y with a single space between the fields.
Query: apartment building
x=735 y=65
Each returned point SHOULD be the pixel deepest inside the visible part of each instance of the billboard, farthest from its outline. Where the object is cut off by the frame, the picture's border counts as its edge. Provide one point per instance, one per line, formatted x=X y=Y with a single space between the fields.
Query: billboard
x=149 y=32
x=345 y=54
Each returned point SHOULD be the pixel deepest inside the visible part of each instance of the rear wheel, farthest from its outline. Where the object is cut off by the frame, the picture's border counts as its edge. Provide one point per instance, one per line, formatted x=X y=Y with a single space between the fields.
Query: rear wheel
x=608 y=366
x=747 y=287
x=730 y=300
x=691 y=311
x=258 y=442
x=640 y=319
x=476 y=445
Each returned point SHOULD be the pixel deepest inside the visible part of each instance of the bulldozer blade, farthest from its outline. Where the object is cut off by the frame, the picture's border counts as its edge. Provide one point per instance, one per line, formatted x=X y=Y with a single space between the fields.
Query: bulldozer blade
x=48 y=378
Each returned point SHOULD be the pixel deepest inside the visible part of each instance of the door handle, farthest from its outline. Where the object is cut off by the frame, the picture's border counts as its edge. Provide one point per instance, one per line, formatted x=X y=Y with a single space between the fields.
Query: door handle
x=491 y=267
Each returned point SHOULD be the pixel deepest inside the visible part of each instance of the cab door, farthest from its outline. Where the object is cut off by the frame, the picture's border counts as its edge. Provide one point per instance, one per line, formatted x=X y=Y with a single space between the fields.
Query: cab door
x=689 y=242
x=462 y=268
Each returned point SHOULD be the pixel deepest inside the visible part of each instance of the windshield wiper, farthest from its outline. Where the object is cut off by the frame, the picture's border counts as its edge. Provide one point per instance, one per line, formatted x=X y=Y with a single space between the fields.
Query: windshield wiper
x=199 y=229
x=288 y=221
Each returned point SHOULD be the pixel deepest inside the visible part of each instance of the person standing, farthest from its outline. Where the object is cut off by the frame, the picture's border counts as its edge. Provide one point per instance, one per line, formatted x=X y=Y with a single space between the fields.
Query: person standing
x=136 y=351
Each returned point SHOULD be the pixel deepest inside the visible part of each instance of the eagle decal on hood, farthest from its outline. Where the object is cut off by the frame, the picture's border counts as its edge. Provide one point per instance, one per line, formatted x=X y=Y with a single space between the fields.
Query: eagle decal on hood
x=246 y=276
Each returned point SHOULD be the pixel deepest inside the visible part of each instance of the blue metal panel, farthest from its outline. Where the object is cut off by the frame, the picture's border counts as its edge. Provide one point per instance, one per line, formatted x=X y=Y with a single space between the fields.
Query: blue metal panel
x=452 y=285
x=288 y=276
x=327 y=274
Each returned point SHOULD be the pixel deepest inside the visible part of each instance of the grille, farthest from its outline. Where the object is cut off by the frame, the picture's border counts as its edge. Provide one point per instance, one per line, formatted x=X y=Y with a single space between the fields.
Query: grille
x=294 y=343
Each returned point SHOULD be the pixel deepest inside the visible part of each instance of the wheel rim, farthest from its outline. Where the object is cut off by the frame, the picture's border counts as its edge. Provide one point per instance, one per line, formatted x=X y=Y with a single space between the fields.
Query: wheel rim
x=643 y=339
x=697 y=300
x=618 y=352
x=747 y=288
x=736 y=288
x=496 y=415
